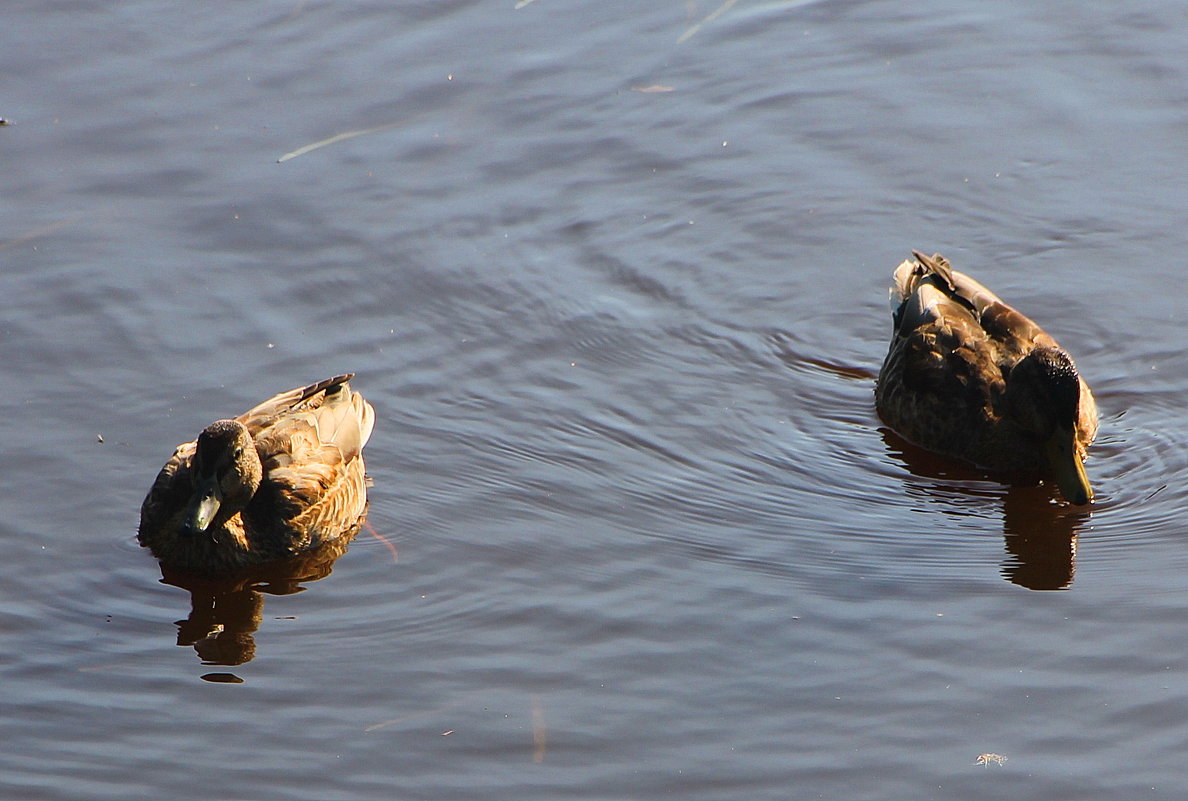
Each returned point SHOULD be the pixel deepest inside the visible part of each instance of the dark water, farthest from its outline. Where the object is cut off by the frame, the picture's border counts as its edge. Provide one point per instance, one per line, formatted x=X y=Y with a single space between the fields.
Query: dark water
x=616 y=287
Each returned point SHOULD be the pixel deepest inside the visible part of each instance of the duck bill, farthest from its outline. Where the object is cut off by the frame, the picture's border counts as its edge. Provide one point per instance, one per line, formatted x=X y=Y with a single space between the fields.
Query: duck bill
x=1067 y=467
x=204 y=506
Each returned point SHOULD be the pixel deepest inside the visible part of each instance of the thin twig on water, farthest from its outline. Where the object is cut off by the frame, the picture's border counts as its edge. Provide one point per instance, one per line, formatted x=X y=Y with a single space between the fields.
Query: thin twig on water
x=301 y=151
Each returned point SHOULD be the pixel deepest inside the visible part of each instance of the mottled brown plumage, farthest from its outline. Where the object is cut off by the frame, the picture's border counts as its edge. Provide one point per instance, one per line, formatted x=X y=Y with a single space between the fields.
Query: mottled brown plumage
x=282 y=478
x=968 y=376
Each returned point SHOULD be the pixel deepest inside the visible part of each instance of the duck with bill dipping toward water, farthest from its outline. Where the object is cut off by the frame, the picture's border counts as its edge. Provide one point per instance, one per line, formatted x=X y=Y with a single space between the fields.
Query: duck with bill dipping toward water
x=968 y=376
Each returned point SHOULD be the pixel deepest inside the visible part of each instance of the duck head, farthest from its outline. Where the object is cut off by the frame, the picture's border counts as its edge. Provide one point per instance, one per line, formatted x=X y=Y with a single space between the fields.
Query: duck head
x=226 y=473
x=1044 y=395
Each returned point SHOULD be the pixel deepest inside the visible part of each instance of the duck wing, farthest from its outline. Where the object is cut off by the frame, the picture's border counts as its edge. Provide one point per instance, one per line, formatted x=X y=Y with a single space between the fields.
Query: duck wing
x=311 y=447
x=942 y=366
x=922 y=287
x=267 y=414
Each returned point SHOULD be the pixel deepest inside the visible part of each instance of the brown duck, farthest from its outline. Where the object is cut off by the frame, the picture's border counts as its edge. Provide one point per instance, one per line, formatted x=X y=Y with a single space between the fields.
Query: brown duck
x=968 y=376
x=283 y=478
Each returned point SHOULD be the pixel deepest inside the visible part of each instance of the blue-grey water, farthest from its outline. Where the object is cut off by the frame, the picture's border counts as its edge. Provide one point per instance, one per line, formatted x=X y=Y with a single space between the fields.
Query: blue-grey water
x=614 y=278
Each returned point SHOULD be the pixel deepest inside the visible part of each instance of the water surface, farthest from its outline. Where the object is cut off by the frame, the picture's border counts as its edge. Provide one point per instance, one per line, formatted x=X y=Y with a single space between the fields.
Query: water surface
x=614 y=280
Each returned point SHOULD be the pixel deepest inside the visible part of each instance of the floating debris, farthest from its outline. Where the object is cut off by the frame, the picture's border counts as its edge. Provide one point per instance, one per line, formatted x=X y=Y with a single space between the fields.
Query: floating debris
x=415 y=715
x=692 y=30
x=42 y=231
x=986 y=759
x=301 y=151
x=540 y=737
x=391 y=548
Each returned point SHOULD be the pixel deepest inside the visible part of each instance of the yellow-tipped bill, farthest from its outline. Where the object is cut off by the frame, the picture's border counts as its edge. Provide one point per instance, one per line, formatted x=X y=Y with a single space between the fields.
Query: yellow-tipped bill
x=1067 y=468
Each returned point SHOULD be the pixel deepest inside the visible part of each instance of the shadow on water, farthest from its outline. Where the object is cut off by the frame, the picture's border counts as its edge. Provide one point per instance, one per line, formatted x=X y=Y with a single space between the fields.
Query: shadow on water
x=225 y=612
x=1039 y=533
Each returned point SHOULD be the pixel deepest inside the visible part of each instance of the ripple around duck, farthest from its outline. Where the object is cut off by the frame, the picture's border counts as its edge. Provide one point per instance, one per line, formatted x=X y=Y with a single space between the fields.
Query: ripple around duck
x=918 y=514
x=804 y=474
x=1140 y=464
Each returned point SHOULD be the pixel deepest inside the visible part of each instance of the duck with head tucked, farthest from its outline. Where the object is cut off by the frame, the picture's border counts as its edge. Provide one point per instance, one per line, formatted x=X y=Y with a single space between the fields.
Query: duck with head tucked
x=968 y=376
x=278 y=480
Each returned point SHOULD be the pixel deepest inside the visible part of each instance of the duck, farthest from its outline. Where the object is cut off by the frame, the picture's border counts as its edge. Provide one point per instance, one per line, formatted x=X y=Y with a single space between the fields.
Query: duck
x=283 y=478
x=970 y=377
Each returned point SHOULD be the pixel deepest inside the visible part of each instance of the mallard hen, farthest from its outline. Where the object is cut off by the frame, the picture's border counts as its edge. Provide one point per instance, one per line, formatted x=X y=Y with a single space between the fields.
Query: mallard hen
x=968 y=376
x=278 y=480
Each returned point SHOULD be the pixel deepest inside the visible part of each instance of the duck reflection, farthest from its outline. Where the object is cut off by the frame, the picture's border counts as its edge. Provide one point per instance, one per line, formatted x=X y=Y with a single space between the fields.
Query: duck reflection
x=225 y=612
x=1040 y=535
x=1041 y=539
